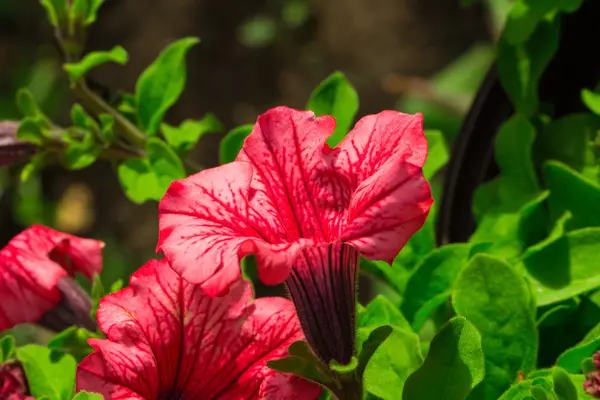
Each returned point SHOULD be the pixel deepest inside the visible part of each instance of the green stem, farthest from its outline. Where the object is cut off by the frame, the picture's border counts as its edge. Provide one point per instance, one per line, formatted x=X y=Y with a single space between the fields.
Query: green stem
x=350 y=388
x=97 y=105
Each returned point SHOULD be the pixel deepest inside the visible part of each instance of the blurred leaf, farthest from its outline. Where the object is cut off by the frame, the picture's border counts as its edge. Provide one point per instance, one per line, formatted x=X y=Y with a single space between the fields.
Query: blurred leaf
x=83 y=395
x=84 y=153
x=92 y=60
x=139 y=181
x=49 y=373
x=335 y=96
x=161 y=84
x=570 y=191
x=591 y=100
x=295 y=12
x=437 y=155
x=257 y=32
x=183 y=138
x=93 y=11
x=392 y=362
x=434 y=275
x=563 y=385
x=496 y=299
x=7 y=348
x=30 y=131
x=97 y=293
x=73 y=341
x=578 y=381
x=167 y=166
x=453 y=367
x=107 y=127
x=84 y=12
x=465 y=74
x=526 y=14
x=28 y=106
x=571 y=359
x=33 y=167
x=520 y=67
x=566 y=266
x=232 y=143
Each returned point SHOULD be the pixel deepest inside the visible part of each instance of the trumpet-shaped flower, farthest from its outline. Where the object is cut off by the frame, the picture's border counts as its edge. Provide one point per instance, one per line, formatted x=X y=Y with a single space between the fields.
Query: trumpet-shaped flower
x=305 y=210
x=166 y=339
x=35 y=278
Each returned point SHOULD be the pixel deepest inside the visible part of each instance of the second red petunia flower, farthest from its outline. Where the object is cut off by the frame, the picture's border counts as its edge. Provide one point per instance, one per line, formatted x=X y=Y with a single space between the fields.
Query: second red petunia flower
x=306 y=210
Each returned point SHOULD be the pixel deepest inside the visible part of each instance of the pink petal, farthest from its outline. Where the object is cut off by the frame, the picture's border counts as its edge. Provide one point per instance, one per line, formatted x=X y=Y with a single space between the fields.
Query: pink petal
x=32 y=264
x=287 y=387
x=212 y=219
x=165 y=337
x=382 y=157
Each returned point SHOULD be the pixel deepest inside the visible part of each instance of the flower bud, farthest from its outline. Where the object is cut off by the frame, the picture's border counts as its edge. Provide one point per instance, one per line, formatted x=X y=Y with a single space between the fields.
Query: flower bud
x=12 y=150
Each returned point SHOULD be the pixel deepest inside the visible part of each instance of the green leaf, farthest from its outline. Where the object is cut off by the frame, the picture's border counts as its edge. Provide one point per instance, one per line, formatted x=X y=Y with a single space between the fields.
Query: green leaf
x=437 y=155
x=161 y=84
x=167 y=165
x=496 y=299
x=391 y=363
x=49 y=373
x=335 y=96
x=92 y=60
x=434 y=275
x=139 y=181
x=73 y=341
x=525 y=15
x=84 y=153
x=34 y=166
x=563 y=385
x=381 y=311
x=7 y=348
x=572 y=358
x=302 y=362
x=93 y=11
x=83 y=395
x=520 y=67
x=97 y=293
x=183 y=138
x=453 y=367
x=29 y=108
x=570 y=191
x=232 y=143
x=30 y=131
x=53 y=7
x=107 y=127
x=578 y=381
x=564 y=267
x=257 y=32
x=591 y=100
x=513 y=150
x=427 y=309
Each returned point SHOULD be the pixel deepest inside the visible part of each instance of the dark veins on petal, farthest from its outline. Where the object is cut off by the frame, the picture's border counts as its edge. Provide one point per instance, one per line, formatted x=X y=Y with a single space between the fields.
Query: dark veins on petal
x=323 y=285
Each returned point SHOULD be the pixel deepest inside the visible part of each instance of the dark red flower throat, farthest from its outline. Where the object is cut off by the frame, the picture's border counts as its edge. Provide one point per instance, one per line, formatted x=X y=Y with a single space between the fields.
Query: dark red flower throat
x=322 y=285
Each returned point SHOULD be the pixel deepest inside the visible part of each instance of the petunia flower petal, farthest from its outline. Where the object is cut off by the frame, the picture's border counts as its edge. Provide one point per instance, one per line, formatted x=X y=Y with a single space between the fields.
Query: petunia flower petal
x=168 y=339
x=31 y=266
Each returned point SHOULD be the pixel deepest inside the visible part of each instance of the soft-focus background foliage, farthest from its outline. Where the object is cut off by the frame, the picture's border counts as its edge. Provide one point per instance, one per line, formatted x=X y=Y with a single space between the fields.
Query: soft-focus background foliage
x=412 y=55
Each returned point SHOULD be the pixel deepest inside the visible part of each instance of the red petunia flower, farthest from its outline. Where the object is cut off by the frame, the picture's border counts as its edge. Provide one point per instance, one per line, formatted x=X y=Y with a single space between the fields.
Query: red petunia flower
x=13 y=385
x=305 y=208
x=169 y=340
x=35 y=285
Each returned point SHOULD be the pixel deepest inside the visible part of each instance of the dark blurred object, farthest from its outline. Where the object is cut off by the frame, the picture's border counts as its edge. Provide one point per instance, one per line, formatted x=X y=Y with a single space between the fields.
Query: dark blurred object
x=13 y=151
x=574 y=67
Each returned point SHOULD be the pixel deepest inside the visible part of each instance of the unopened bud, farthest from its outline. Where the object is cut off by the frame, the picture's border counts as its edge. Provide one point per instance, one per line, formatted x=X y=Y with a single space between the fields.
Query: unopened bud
x=12 y=150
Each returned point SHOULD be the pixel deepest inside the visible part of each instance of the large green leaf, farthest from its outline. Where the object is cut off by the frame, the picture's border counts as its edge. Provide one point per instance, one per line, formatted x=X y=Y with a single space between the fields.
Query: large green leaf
x=437 y=155
x=139 y=181
x=49 y=373
x=7 y=348
x=591 y=100
x=161 y=84
x=566 y=266
x=572 y=358
x=167 y=165
x=83 y=395
x=434 y=276
x=454 y=365
x=391 y=364
x=498 y=301
x=335 y=96
x=381 y=311
x=92 y=60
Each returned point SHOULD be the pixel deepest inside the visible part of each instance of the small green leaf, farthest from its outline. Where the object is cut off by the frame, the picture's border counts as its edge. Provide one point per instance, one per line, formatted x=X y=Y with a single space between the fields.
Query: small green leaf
x=139 y=181
x=232 y=143
x=344 y=369
x=434 y=275
x=92 y=60
x=83 y=395
x=107 y=127
x=97 y=293
x=520 y=66
x=591 y=100
x=564 y=267
x=93 y=11
x=563 y=385
x=167 y=166
x=183 y=138
x=34 y=166
x=391 y=363
x=116 y=286
x=498 y=301
x=7 y=348
x=28 y=106
x=257 y=32
x=84 y=153
x=453 y=367
x=302 y=362
x=572 y=358
x=335 y=96
x=73 y=341
x=437 y=155
x=49 y=373
x=30 y=131
x=161 y=84
x=52 y=11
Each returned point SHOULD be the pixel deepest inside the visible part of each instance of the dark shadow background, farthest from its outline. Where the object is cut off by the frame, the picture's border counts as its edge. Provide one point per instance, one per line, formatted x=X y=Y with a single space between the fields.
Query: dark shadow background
x=253 y=55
